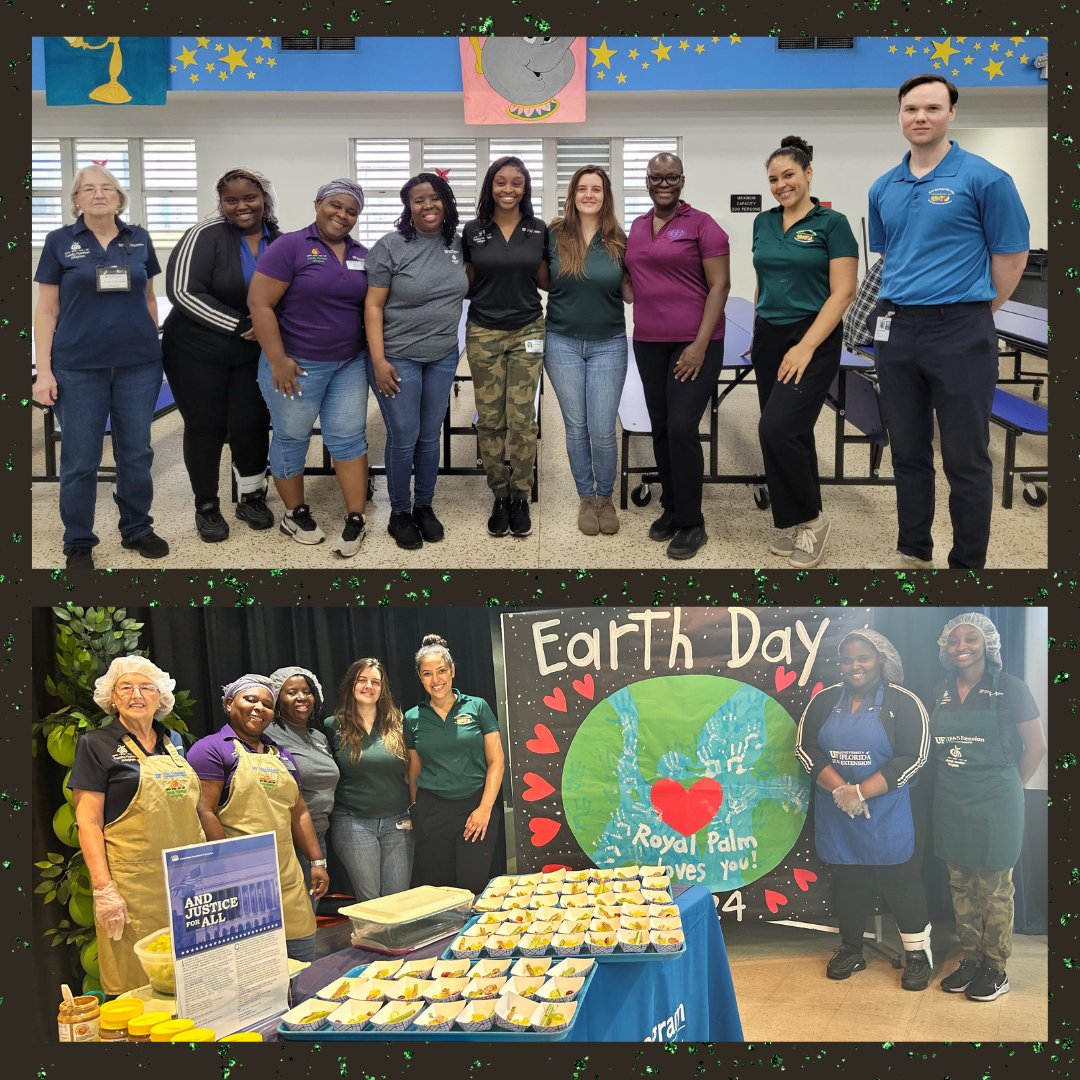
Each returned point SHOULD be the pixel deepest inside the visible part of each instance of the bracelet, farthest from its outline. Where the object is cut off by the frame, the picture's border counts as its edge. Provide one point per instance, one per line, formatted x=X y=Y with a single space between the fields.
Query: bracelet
x=317 y=862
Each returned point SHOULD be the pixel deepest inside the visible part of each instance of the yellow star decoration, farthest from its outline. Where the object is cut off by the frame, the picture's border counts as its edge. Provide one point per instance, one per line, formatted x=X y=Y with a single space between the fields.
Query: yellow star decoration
x=969 y=59
x=194 y=76
x=926 y=49
x=172 y=69
x=715 y=40
x=977 y=46
x=601 y=75
x=1008 y=52
x=219 y=47
x=684 y=45
x=918 y=39
x=699 y=49
x=202 y=43
x=210 y=67
x=633 y=54
x=955 y=71
x=892 y=48
x=993 y=68
x=252 y=38
x=910 y=50
x=223 y=75
x=603 y=55
x=259 y=59
x=961 y=40
x=272 y=62
x=734 y=39
x=944 y=51
x=621 y=78
x=186 y=57
x=937 y=65
x=644 y=65
x=266 y=43
x=1017 y=40
x=994 y=46
x=235 y=59
x=661 y=52
x=1023 y=58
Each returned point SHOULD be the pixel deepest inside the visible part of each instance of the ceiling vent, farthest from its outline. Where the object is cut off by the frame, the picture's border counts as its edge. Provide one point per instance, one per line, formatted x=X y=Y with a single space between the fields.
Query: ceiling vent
x=803 y=42
x=318 y=44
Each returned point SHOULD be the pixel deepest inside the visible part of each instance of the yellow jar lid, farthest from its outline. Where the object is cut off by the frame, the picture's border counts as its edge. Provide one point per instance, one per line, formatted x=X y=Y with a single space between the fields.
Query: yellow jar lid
x=141 y=1024
x=195 y=1035
x=116 y=1014
x=166 y=1030
x=242 y=1036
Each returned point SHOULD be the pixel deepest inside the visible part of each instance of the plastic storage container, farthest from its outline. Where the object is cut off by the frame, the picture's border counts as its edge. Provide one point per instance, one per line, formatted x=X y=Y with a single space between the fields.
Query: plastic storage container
x=157 y=962
x=404 y=921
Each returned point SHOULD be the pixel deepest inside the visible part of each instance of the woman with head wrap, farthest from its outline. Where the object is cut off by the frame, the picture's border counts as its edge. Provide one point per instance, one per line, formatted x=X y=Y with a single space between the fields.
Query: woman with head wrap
x=211 y=355
x=979 y=797
x=307 y=308
x=297 y=728
x=863 y=741
x=134 y=796
x=250 y=785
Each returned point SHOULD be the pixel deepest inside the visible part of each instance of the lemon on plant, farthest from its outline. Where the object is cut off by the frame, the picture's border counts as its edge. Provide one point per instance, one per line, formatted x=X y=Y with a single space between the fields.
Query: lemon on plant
x=90 y=982
x=61 y=744
x=69 y=795
x=63 y=824
x=88 y=957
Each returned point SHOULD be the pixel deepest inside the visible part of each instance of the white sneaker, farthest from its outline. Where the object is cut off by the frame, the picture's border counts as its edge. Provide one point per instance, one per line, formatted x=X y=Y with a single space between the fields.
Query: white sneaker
x=810 y=544
x=301 y=526
x=911 y=562
x=348 y=543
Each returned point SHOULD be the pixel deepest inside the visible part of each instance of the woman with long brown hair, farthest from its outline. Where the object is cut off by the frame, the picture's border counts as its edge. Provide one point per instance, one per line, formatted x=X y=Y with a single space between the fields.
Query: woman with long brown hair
x=585 y=351
x=370 y=827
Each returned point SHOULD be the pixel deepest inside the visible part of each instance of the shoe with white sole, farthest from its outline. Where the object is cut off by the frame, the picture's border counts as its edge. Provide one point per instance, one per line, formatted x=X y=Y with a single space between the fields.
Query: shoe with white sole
x=913 y=562
x=809 y=544
x=784 y=544
x=301 y=526
x=352 y=536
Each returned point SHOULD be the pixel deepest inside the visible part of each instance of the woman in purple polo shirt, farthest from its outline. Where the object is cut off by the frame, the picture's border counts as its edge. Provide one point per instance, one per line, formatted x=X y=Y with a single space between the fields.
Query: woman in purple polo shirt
x=677 y=258
x=307 y=308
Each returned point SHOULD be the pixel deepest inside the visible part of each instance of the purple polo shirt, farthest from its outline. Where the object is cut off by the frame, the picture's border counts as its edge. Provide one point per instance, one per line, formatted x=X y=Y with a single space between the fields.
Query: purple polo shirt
x=213 y=757
x=321 y=316
x=667 y=276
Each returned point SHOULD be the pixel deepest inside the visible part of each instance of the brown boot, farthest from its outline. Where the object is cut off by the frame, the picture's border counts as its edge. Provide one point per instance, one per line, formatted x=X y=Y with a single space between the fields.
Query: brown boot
x=605 y=514
x=587 y=520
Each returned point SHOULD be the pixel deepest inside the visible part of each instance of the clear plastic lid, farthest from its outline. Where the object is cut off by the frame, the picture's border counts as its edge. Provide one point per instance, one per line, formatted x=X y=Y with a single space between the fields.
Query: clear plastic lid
x=405 y=907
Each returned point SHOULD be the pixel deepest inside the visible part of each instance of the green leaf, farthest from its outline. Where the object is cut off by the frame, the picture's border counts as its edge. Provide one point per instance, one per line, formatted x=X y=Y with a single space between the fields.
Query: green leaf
x=52 y=872
x=63 y=892
x=61 y=613
x=44 y=887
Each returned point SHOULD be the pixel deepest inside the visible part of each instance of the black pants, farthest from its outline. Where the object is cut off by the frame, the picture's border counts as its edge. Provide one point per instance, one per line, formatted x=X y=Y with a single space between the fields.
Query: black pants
x=675 y=412
x=855 y=889
x=220 y=404
x=941 y=360
x=788 y=415
x=442 y=855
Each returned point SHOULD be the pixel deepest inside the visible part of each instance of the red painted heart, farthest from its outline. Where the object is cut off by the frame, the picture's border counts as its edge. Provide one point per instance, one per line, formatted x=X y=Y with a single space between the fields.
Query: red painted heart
x=783 y=678
x=773 y=900
x=543 y=830
x=585 y=686
x=538 y=788
x=818 y=687
x=803 y=878
x=556 y=700
x=687 y=811
x=544 y=743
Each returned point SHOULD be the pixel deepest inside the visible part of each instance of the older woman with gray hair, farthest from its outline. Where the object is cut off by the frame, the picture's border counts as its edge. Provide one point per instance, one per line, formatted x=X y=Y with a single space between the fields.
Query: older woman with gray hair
x=251 y=785
x=297 y=728
x=134 y=796
x=863 y=741
x=98 y=361
x=307 y=308
x=988 y=742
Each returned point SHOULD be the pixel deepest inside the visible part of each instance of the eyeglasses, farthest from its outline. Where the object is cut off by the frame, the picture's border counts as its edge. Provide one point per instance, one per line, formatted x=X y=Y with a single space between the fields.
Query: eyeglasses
x=93 y=189
x=659 y=181
x=147 y=690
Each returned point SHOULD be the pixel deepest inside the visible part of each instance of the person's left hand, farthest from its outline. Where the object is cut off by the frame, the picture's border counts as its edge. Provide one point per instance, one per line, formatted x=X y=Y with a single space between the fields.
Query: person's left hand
x=249 y=334
x=476 y=826
x=689 y=363
x=794 y=363
x=320 y=881
x=847 y=798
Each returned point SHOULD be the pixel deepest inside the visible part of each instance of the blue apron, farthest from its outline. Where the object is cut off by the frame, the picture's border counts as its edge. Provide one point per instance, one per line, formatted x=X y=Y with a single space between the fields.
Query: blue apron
x=857 y=747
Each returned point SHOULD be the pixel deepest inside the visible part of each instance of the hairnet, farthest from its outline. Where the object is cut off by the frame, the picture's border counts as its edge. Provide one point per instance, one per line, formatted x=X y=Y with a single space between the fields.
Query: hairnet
x=234 y=688
x=122 y=665
x=342 y=186
x=892 y=667
x=283 y=674
x=991 y=638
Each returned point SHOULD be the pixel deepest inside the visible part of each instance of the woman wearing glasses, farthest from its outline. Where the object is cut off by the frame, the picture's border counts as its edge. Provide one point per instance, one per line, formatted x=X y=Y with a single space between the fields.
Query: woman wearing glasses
x=677 y=259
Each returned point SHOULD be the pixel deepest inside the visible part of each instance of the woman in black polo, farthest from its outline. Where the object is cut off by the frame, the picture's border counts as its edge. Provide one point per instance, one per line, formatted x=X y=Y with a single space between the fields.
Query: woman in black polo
x=806 y=260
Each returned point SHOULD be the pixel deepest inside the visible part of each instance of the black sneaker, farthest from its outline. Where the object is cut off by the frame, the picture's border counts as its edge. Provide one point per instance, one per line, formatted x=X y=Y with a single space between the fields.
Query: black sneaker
x=431 y=528
x=845 y=962
x=301 y=526
x=252 y=508
x=989 y=985
x=209 y=523
x=916 y=971
x=663 y=528
x=348 y=543
x=79 y=558
x=499 y=522
x=962 y=977
x=520 y=519
x=404 y=530
x=687 y=542
x=149 y=546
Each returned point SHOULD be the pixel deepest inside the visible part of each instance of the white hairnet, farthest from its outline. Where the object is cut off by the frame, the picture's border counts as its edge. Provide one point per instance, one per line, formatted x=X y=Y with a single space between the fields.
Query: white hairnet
x=892 y=667
x=283 y=674
x=991 y=638
x=135 y=665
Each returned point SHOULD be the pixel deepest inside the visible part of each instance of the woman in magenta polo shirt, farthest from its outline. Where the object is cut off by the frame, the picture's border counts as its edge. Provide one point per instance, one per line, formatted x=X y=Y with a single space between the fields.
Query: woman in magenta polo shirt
x=677 y=258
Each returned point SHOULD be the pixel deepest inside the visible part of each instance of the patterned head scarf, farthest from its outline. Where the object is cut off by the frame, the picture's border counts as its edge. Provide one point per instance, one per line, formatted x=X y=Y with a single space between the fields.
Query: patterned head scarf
x=257 y=178
x=341 y=186
x=892 y=667
x=237 y=685
x=283 y=674
x=991 y=638
x=135 y=665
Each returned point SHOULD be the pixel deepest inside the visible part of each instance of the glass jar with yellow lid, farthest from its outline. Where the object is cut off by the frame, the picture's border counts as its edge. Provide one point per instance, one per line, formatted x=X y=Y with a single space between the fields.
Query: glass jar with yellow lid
x=115 y=1016
x=139 y=1027
x=164 y=1032
x=195 y=1034
x=242 y=1036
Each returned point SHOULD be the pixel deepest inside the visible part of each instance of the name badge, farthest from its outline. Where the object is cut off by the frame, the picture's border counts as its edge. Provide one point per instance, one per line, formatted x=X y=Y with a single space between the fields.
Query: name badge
x=355 y=264
x=534 y=345
x=881 y=331
x=113 y=279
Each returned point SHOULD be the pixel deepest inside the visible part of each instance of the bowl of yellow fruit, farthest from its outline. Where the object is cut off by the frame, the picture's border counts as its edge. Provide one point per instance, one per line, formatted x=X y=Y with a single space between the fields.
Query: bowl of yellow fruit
x=155 y=954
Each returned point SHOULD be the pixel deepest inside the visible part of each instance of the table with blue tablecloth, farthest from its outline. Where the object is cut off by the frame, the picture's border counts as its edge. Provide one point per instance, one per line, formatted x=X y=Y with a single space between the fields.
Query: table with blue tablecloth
x=688 y=998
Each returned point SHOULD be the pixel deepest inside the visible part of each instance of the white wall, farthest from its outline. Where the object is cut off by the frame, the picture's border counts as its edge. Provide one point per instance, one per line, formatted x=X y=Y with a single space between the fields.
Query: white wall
x=1035 y=675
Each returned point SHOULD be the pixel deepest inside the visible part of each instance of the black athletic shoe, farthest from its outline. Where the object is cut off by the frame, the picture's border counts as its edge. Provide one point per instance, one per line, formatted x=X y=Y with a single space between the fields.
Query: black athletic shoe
x=431 y=528
x=989 y=985
x=405 y=532
x=352 y=535
x=916 y=971
x=520 y=519
x=962 y=977
x=79 y=558
x=663 y=528
x=149 y=546
x=845 y=962
x=209 y=523
x=687 y=542
x=499 y=522
x=301 y=526
x=252 y=508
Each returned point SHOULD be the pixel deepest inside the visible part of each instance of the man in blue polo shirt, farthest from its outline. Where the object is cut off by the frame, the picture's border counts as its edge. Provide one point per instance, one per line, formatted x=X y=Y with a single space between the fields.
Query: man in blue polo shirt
x=954 y=237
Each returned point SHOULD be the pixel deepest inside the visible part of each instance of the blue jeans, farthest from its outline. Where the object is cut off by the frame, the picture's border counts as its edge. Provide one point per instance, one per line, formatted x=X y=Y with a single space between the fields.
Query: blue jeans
x=87 y=402
x=301 y=948
x=335 y=394
x=377 y=854
x=305 y=867
x=588 y=377
x=413 y=425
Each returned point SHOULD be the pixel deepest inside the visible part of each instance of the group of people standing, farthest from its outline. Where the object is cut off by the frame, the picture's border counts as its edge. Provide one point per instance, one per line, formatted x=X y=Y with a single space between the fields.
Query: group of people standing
x=865 y=742
x=406 y=798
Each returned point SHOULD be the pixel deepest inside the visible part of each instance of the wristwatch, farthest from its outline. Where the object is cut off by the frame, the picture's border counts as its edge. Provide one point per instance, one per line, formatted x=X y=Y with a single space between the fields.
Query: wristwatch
x=317 y=862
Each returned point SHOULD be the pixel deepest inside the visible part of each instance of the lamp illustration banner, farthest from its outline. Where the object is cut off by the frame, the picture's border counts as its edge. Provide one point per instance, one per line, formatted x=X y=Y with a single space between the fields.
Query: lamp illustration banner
x=523 y=80
x=667 y=735
x=106 y=70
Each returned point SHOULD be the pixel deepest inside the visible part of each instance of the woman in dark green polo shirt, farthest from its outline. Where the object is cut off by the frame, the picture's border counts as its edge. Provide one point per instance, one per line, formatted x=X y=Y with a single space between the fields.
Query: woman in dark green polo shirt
x=806 y=260
x=455 y=761
x=370 y=826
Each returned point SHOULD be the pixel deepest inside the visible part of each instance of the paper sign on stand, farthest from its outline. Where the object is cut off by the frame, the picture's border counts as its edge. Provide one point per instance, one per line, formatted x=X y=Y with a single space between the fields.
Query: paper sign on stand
x=228 y=934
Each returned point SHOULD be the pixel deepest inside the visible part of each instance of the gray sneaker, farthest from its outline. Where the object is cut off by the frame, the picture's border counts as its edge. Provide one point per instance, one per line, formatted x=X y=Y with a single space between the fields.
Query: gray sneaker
x=348 y=544
x=784 y=544
x=809 y=545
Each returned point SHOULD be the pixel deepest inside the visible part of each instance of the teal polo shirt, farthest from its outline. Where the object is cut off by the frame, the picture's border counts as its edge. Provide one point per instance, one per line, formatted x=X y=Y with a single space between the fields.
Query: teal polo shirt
x=937 y=232
x=588 y=308
x=376 y=786
x=451 y=750
x=793 y=267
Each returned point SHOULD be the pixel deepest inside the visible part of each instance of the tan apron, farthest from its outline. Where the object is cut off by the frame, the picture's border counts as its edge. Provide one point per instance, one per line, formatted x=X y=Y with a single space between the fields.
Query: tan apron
x=163 y=814
x=261 y=799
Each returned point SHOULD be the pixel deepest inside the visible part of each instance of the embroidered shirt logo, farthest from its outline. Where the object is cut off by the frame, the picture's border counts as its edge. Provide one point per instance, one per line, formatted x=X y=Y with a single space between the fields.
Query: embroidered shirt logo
x=453 y=255
x=316 y=256
x=940 y=196
x=461 y=720
x=76 y=251
x=992 y=693
x=805 y=236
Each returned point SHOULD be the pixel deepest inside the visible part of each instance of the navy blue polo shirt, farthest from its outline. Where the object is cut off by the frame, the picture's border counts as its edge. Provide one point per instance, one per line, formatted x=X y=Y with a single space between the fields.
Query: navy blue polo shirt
x=107 y=329
x=938 y=231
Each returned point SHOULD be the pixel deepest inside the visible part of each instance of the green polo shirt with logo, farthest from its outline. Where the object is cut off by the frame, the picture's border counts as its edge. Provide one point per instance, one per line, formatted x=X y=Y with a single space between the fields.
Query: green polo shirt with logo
x=451 y=750
x=588 y=308
x=373 y=787
x=793 y=267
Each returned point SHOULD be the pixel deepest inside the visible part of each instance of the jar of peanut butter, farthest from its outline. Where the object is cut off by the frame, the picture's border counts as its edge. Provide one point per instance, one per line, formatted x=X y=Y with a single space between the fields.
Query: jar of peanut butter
x=165 y=1031
x=77 y=1020
x=139 y=1026
x=195 y=1034
x=115 y=1016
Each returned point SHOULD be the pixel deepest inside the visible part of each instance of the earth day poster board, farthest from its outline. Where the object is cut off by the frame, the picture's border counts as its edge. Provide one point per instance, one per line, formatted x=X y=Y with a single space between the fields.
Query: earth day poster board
x=667 y=735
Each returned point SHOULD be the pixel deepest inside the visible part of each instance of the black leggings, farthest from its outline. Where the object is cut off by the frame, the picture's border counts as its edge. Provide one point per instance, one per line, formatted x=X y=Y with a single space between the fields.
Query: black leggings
x=442 y=855
x=220 y=404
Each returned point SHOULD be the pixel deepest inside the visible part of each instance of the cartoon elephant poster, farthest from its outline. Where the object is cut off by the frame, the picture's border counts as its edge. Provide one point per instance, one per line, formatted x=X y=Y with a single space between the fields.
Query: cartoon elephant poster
x=527 y=80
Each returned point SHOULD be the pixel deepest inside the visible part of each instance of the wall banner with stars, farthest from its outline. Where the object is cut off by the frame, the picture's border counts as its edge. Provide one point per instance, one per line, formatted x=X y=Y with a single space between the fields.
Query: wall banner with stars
x=667 y=735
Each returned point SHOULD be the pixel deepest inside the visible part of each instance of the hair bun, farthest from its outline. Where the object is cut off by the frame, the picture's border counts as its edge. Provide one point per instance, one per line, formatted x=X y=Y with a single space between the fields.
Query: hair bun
x=798 y=144
x=433 y=639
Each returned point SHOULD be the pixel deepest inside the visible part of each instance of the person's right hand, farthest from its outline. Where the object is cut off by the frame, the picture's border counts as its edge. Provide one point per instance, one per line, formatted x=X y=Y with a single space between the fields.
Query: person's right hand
x=110 y=910
x=285 y=376
x=45 y=388
x=386 y=378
